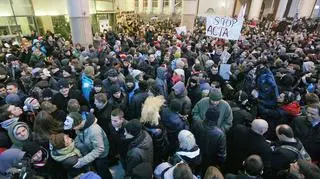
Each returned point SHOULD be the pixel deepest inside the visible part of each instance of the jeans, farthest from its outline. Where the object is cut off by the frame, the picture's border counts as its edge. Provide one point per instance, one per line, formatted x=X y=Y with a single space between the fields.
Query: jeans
x=101 y=166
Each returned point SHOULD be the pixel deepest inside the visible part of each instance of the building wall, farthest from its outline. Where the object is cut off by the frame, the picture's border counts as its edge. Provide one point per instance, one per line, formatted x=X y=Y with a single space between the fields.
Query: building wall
x=222 y=7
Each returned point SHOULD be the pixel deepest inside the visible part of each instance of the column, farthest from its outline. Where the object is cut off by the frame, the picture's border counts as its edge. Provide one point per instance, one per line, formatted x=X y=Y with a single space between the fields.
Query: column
x=149 y=7
x=306 y=8
x=294 y=8
x=140 y=6
x=160 y=6
x=80 y=22
x=281 y=9
x=189 y=13
x=255 y=8
x=172 y=4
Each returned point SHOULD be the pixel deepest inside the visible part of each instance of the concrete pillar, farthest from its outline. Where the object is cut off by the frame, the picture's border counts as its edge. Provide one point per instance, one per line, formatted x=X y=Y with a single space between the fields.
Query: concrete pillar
x=80 y=22
x=160 y=6
x=255 y=9
x=46 y=23
x=281 y=9
x=149 y=7
x=294 y=8
x=140 y=6
x=306 y=8
x=172 y=4
x=189 y=13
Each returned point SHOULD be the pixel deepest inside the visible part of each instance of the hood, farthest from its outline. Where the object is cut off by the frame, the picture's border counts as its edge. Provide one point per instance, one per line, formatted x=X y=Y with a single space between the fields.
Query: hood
x=15 y=141
x=161 y=73
x=292 y=108
x=193 y=153
x=10 y=157
x=179 y=88
x=308 y=66
x=90 y=119
x=7 y=123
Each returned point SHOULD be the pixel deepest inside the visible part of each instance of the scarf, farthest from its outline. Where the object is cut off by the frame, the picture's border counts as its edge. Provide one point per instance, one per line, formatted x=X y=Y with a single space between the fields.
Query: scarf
x=64 y=153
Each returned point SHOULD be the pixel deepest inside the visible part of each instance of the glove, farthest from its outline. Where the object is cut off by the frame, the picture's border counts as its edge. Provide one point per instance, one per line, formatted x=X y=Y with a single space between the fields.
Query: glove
x=79 y=164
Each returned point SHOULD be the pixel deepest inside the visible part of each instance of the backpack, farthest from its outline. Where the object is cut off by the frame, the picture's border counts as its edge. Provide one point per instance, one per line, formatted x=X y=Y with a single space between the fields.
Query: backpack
x=301 y=154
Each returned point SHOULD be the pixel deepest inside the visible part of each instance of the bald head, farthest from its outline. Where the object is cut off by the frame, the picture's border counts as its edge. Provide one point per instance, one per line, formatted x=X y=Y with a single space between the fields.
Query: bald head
x=284 y=133
x=259 y=126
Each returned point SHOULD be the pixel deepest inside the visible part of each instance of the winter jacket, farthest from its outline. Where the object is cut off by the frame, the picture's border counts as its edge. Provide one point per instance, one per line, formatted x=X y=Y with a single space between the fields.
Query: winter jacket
x=240 y=115
x=309 y=136
x=87 y=86
x=68 y=156
x=139 y=150
x=195 y=95
x=107 y=85
x=161 y=81
x=212 y=143
x=16 y=143
x=282 y=157
x=183 y=100
x=243 y=142
x=92 y=141
x=118 y=143
x=104 y=116
x=267 y=87
x=137 y=101
x=225 y=117
x=191 y=157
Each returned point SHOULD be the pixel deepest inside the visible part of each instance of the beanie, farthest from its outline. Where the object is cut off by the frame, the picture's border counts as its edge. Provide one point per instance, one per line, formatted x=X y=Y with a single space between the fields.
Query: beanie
x=114 y=89
x=57 y=140
x=136 y=73
x=47 y=93
x=212 y=114
x=13 y=99
x=31 y=104
x=134 y=127
x=215 y=94
x=112 y=73
x=31 y=148
x=90 y=175
x=143 y=85
x=16 y=127
x=62 y=83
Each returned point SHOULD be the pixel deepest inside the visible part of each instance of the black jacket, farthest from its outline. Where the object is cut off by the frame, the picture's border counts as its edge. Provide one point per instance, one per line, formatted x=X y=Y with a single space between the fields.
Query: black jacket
x=308 y=135
x=135 y=106
x=243 y=142
x=103 y=115
x=139 y=150
x=118 y=143
x=194 y=94
x=212 y=143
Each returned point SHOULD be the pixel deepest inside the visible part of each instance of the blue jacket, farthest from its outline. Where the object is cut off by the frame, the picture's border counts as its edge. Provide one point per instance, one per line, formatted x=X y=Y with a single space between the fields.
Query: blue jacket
x=87 y=86
x=267 y=87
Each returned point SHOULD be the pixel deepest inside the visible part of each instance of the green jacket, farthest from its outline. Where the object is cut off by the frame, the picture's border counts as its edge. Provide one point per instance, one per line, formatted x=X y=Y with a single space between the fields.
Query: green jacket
x=225 y=117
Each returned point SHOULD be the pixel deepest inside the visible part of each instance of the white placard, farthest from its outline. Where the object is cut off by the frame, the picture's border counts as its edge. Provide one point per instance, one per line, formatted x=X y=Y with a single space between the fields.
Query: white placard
x=182 y=29
x=224 y=27
x=224 y=71
x=225 y=57
x=104 y=25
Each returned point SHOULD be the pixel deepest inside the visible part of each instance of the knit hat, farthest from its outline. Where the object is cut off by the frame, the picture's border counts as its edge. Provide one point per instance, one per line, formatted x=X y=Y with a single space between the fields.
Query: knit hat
x=134 y=127
x=142 y=171
x=179 y=88
x=260 y=126
x=215 y=94
x=31 y=104
x=90 y=175
x=16 y=127
x=209 y=64
x=179 y=72
x=73 y=119
x=13 y=99
x=89 y=70
x=31 y=148
x=179 y=64
x=114 y=89
x=57 y=140
x=212 y=114
x=65 y=62
x=112 y=73
x=62 y=83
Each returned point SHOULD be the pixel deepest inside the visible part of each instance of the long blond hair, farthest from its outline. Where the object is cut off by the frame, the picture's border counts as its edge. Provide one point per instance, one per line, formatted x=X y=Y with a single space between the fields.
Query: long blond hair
x=150 y=110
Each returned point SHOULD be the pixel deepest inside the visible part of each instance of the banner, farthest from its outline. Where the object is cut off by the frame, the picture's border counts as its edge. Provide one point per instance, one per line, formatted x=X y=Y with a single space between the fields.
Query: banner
x=224 y=27
x=224 y=71
x=182 y=29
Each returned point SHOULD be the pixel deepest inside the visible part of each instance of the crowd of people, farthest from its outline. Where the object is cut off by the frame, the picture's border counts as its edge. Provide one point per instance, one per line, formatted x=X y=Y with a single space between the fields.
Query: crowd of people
x=157 y=103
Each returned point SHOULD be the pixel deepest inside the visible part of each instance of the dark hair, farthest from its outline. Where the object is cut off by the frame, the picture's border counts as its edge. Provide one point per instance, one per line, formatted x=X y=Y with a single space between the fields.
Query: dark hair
x=45 y=125
x=2 y=85
x=285 y=130
x=175 y=106
x=253 y=165
x=182 y=171
x=4 y=113
x=143 y=85
x=117 y=112
x=13 y=84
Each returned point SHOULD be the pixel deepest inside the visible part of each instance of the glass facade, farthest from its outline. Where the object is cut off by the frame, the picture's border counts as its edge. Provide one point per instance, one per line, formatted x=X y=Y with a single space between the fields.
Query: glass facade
x=20 y=17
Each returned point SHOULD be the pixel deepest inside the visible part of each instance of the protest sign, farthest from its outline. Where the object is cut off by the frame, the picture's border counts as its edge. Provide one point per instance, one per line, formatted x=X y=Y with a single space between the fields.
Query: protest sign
x=182 y=29
x=224 y=71
x=225 y=57
x=224 y=27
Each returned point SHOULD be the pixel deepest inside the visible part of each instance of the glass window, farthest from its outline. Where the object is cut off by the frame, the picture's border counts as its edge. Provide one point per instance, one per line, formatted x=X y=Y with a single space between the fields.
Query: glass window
x=178 y=3
x=166 y=3
x=5 y=8
x=145 y=5
x=154 y=3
